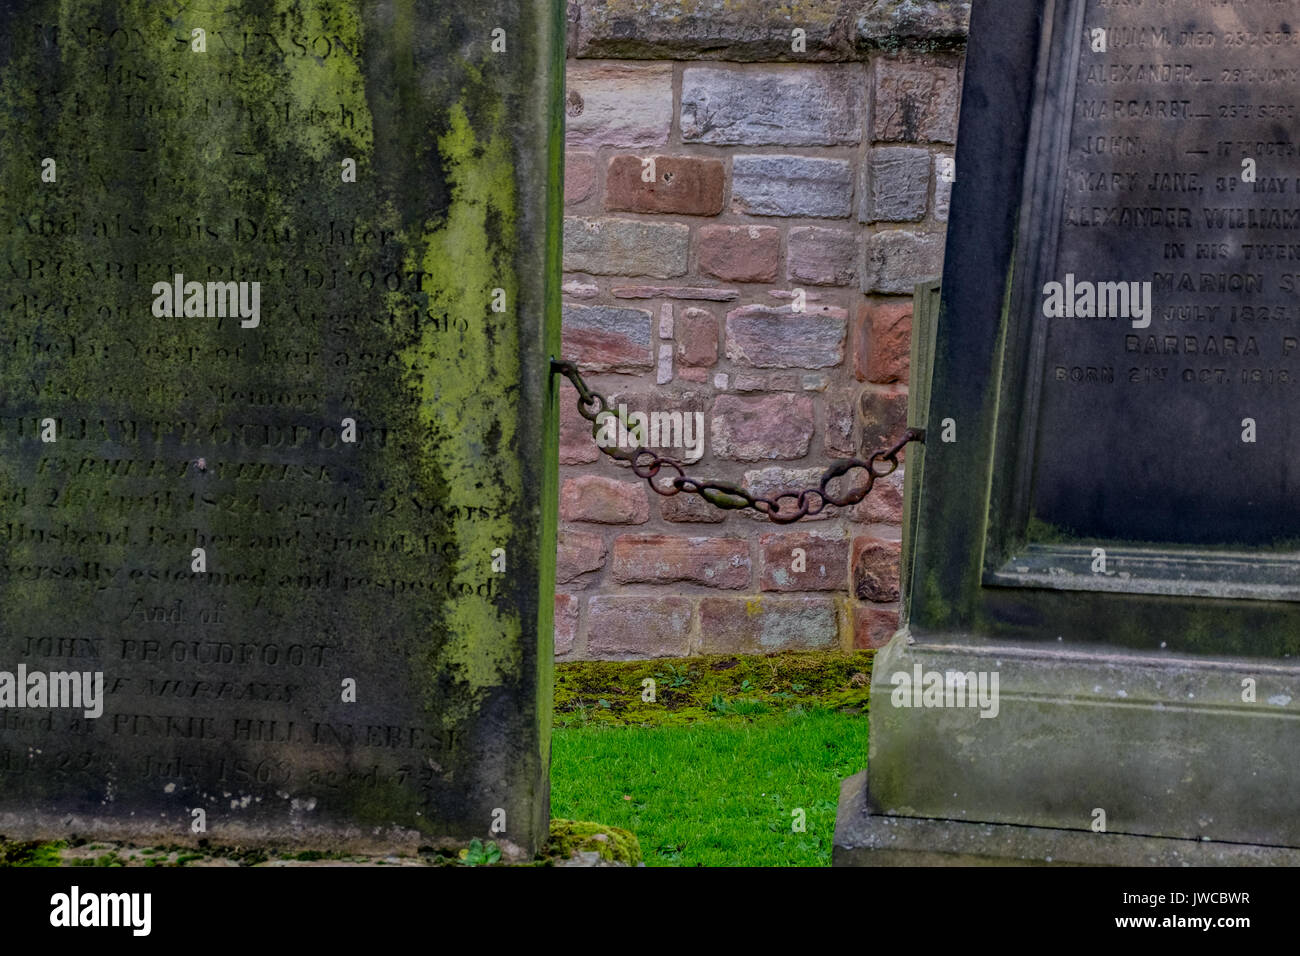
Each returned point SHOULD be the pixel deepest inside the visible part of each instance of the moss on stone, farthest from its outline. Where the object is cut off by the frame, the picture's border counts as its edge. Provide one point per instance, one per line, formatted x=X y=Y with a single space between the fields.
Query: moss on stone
x=686 y=690
x=570 y=837
x=33 y=853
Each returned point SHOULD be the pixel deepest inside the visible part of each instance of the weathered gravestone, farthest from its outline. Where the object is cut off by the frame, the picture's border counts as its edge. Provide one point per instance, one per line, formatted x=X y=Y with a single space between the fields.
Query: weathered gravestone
x=276 y=436
x=1099 y=659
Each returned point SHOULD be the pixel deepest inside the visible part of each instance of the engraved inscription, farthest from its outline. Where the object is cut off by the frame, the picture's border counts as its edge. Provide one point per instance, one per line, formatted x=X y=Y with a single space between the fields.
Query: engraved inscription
x=1181 y=171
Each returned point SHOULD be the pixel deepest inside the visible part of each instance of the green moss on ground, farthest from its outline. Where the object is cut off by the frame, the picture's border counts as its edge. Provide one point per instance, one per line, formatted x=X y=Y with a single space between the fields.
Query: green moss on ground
x=569 y=837
x=691 y=689
x=32 y=853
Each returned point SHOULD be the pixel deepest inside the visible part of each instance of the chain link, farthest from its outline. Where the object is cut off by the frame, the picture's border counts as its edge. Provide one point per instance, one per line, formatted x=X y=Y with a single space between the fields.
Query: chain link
x=802 y=504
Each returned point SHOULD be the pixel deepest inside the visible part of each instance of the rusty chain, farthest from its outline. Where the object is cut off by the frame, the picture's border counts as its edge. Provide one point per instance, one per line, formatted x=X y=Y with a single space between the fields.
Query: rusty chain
x=646 y=464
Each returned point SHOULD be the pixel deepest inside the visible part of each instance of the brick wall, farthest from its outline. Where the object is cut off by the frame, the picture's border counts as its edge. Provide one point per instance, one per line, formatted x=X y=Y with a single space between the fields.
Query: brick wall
x=775 y=171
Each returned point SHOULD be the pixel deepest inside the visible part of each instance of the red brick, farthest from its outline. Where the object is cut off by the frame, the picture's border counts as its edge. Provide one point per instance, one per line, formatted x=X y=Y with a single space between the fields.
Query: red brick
x=915 y=102
x=763 y=336
x=579 y=177
x=825 y=561
x=577 y=445
x=777 y=481
x=638 y=626
x=822 y=256
x=885 y=503
x=577 y=553
x=757 y=427
x=882 y=342
x=756 y=625
x=740 y=253
x=688 y=185
x=666 y=559
x=697 y=338
x=883 y=419
x=873 y=626
x=606 y=339
x=691 y=508
x=566 y=622
x=604 y=500
x=875 y=569
x=839 y=425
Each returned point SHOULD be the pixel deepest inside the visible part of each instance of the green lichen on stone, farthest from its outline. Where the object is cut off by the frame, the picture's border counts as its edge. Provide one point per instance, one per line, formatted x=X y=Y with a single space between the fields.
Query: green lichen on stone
x=465 y=394
x=571 y=837
x=153 y=136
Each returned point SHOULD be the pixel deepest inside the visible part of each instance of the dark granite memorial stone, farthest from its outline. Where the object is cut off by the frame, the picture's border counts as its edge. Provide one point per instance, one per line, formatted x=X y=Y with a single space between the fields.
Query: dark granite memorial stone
x=276 y=429
x=1106 y=518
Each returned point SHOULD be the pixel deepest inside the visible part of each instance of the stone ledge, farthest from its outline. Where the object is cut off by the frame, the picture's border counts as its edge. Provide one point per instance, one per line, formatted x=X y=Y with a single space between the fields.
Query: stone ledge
x=864 y=838
x=761 y=32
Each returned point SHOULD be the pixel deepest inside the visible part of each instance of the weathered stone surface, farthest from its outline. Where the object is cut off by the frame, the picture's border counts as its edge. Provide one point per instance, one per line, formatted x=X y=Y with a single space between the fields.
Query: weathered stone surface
x=603 y=338
x=896 y=260
x=298 y=633
x=791 y=186
x=577 y=553
x=873 y=626
x=882 y=417
x=625 y=247
x=638 y=626
x=667 y=559
x=839 y=425
x=576 y=444
x=691 y=185
x=915 y=102
x=896 y=185
x=801 y=106
x=888 y=22
x=822 y=256
x=713 y=29
x=664 y=367
x=804 y=560
x=1121 y=685
x=756 y=625
x=617 y=104
x=697 y=338
x=579 y=177
x=690 y=508
x=740 y=253
x=944 y=176
x=674 y=420
x=604 y=500
x=566 y=623
x=573 y=289
x=778 y=481
x=809 y=295
x=875 y=569
x=674 y=292
x=882 y=349
x=777 y=337
x=754 y=428
x=885 y=503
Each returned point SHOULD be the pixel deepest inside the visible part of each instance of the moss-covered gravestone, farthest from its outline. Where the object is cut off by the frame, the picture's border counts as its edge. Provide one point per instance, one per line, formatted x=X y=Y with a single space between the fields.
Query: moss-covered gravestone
x=276 y=428
x=1099 y=659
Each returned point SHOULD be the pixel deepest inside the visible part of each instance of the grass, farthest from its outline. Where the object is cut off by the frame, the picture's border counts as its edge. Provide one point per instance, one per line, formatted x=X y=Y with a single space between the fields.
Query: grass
x=710 y=772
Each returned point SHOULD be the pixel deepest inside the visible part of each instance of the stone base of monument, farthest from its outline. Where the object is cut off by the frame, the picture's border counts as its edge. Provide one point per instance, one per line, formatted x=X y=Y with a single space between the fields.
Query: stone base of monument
x=864 y=838
x=1079 y=758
